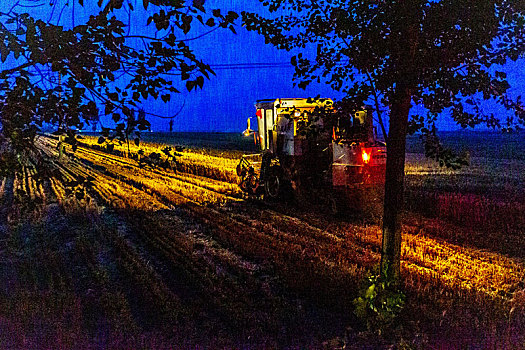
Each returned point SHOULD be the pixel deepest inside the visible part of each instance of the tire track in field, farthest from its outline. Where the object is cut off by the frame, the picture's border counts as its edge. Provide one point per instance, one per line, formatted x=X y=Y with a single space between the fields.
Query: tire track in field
x=235 y=224
x=258 y=235
x=289 y=229
x=305 y=255
x=296 y=258
x=232 y=281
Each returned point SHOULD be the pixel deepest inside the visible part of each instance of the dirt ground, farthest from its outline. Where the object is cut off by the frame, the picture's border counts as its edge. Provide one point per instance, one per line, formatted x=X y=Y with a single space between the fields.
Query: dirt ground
x=141 y=257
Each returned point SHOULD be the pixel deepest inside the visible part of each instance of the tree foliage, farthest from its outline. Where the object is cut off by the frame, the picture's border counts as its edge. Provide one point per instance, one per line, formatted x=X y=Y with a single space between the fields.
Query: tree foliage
x=443 y=55
x=102 y=68
x=448 y=53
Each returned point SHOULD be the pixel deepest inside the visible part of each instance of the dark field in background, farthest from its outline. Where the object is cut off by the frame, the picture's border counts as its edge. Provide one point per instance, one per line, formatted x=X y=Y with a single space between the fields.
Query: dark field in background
x=487 y=144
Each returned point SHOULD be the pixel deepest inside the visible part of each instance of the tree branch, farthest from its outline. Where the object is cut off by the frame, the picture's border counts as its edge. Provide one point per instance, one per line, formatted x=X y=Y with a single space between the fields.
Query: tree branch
x=378 y=111
x=7 y=72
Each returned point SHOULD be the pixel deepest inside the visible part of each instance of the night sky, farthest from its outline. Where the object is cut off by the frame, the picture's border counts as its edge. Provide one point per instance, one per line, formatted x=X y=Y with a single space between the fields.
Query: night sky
x=246 y=70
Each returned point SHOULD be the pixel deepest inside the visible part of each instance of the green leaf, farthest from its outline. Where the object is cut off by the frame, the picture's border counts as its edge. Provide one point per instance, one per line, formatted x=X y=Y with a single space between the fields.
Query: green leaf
x=4 y=52
x=113 y=96
x=108 y=108
x=127 y=112
x=199 y=81
x=145 y=3
x=370 y=291
x=166 y=98
x=303 y=84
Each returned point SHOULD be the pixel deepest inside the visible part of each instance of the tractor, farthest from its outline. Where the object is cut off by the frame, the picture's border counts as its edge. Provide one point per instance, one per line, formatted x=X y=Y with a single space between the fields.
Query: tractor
x=309 y=150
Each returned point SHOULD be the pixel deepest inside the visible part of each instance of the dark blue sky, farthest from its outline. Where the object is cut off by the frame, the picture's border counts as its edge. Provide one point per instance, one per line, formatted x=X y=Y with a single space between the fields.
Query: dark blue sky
x=246 y=68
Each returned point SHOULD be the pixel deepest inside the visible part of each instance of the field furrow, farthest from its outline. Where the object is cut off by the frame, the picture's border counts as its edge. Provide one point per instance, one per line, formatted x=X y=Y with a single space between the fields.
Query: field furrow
x=183 y=253
x=335 y=248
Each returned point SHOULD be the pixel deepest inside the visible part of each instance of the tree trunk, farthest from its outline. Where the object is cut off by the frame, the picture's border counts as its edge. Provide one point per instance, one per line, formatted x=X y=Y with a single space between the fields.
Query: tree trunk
x=6 y=201
x=394 y=184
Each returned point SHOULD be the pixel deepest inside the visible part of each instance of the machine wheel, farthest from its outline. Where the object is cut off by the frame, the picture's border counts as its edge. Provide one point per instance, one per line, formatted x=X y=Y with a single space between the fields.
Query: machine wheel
x=249 y=184
x=273 y=183
x=334 y=209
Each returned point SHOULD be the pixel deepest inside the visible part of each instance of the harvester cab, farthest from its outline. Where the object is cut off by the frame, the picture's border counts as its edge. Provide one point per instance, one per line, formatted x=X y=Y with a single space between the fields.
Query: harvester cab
x=305 y=144
x=359 y=157
x=285 y=125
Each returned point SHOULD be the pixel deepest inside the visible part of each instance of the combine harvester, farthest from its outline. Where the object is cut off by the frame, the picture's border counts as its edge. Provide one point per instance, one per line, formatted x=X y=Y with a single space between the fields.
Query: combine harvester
x=309 y=151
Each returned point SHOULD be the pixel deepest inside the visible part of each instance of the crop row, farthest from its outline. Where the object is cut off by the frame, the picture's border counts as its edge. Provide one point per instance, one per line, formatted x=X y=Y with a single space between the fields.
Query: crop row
x=469 y=210
x=59 y=287
x=310 y=257
x=285 y=244
x=190 y=161
x=206 y=265
x=458 y=271
x=193 y=187
x=142 y=291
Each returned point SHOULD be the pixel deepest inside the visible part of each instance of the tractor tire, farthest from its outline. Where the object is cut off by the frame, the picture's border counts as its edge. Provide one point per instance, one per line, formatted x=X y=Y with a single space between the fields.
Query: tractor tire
x=250 y=184
x=334 y=207
x=273 y=183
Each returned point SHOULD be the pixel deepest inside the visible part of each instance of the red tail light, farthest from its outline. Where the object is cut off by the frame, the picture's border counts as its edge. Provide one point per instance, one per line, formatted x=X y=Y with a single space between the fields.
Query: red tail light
x=366 y=156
